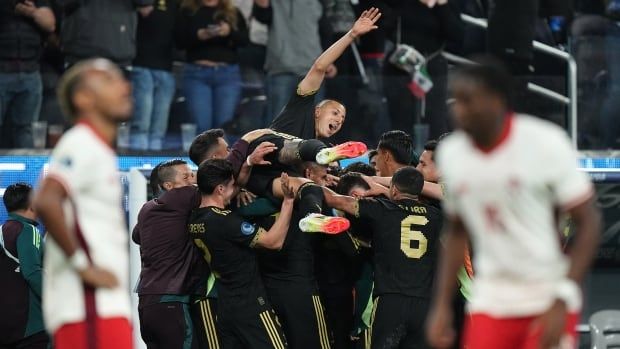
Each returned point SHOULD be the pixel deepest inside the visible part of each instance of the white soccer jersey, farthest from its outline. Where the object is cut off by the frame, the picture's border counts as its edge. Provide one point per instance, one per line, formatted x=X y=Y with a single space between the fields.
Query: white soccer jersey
x=507 y=198
x=87 y=168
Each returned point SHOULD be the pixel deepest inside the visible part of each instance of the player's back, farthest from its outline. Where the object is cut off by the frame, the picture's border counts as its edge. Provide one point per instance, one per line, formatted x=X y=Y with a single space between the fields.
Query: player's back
x=228 y=252
x=405 y=245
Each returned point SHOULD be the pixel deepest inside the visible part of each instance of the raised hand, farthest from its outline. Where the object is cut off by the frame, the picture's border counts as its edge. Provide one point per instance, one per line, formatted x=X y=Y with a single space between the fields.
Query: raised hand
x=366 y=22
x=287 y=189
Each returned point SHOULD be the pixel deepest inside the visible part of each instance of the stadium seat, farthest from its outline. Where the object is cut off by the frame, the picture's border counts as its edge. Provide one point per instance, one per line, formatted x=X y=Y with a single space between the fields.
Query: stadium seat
x=605 y=329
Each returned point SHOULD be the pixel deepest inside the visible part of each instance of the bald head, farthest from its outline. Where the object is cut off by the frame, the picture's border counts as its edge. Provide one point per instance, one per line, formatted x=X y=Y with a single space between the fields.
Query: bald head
x=329 y=116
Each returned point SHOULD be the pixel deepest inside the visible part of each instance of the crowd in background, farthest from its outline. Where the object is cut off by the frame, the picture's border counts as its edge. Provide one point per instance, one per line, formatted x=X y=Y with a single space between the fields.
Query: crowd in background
x=235 y=63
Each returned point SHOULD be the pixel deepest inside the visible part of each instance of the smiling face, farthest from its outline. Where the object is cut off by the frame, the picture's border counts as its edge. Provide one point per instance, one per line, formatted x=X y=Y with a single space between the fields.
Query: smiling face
x=328 y=118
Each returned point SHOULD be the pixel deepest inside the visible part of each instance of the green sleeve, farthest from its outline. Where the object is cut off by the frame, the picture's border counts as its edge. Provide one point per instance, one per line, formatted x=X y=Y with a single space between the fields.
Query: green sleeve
x=29 y=253
x=259 y=208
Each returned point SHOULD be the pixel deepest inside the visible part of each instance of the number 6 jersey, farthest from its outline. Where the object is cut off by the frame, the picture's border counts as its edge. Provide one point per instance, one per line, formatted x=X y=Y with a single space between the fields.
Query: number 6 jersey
x=405 y=243
x=507 y=197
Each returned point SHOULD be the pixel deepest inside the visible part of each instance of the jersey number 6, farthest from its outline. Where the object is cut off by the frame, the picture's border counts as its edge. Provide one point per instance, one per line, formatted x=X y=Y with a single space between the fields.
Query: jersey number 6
x=408 y=234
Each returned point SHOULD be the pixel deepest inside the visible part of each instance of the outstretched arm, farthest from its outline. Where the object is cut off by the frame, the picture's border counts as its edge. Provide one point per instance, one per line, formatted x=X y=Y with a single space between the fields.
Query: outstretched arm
x=343 y=203
x=274 y=238
x=314 y=78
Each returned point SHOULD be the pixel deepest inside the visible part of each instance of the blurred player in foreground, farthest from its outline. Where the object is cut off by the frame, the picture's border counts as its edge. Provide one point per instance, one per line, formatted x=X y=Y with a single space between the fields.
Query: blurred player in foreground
x=85 y=291
x=506 y=176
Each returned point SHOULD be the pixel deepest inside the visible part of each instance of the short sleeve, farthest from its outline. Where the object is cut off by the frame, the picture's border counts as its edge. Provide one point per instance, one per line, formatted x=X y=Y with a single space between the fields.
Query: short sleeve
x=241 y=231
x=297 y=117
x=570 y=187
x=72 y=167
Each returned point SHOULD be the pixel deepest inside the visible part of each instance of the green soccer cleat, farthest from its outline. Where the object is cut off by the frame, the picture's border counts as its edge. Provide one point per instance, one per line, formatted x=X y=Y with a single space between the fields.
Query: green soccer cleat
x=318 y=223
x=346 y=150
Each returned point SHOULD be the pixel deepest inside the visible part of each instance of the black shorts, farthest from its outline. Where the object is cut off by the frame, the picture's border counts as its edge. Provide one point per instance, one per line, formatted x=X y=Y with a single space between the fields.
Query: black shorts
x=398 y=322
x=166 y=325
x=203 y=312
x=301 y=311
x=254 y=325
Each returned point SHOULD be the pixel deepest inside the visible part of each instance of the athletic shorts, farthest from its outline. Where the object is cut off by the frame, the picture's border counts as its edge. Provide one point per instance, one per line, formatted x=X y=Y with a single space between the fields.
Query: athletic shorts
x=398 y=322
x=109 y=333
x=251 y=325
x=486 y=332
x=302 y=314
x=203 y=312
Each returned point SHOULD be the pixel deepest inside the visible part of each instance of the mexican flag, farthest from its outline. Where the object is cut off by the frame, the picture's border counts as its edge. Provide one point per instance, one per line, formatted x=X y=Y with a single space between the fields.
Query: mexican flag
x=421 y=83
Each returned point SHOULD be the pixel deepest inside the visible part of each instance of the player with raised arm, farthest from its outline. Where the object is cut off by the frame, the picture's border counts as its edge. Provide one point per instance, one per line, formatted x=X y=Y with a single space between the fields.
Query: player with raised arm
x=506 y=178
x=85 y=289
x=245 y=317
x=405 y=244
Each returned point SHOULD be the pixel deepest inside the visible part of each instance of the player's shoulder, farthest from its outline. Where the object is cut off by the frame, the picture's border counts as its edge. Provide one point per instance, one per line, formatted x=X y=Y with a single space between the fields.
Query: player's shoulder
x=539 y=133
x=80 y=140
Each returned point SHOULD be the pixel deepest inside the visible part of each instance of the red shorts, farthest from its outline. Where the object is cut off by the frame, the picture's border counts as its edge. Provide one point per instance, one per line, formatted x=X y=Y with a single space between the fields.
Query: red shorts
x=109 y=333
x=486 y=332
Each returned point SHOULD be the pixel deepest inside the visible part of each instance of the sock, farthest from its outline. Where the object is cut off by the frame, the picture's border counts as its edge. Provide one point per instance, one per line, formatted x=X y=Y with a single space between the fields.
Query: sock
x=308 y=149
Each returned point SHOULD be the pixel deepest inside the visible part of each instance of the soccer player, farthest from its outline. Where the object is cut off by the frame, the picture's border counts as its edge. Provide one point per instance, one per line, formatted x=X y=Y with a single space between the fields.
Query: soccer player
x=172 y=268
x=395 y=150
x=85 y=292
x=245 y=317
x=372 y=159
x=405 y=243
x=21 y=272
x=506 y=177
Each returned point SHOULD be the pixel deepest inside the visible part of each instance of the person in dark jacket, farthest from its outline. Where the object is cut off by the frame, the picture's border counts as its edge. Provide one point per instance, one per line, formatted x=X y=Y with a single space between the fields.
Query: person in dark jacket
x=151 y=75
x=211 y=32
x=23 y=26
x=21 y=271
x=100 y=28
x=429 y=30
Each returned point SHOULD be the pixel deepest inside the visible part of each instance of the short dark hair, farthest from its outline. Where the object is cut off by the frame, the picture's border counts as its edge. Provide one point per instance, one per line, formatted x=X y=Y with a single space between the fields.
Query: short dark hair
x=166 y=172
x=349 y=181
x=372 y=153
x=203 y=145
x=17 y=197
x=399 y=144
x=408 y=180
x=154 y=182
x=491 y=74
x=431 y=146
x=212 y=173
x=360 y=167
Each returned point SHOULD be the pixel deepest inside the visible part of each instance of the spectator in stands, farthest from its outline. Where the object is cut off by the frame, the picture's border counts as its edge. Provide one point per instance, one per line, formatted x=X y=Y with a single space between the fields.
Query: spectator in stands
x=21 y=272
x=23 y=25
x=428 y=30
x=100 y=28
x=151 y=75
x=211 y=31
x=293 y=45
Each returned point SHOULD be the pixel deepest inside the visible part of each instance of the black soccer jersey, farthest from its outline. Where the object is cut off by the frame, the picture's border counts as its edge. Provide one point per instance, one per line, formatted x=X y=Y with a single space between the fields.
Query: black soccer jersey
x=297 y=117
x=226 y=241
x=405 y=245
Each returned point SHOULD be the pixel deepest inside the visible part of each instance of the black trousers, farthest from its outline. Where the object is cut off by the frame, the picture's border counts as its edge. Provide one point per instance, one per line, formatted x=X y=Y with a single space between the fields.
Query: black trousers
x=39 y=340
x=398 y=322
x=167 y=326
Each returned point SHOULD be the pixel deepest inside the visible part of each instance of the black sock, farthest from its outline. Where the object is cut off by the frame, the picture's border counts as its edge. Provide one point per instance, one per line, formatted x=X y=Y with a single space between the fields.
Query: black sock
x=310 y=199
x=309 y=148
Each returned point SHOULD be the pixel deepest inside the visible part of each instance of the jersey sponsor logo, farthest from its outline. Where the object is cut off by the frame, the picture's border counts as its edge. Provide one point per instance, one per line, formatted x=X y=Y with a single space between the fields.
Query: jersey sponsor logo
x=247 y=228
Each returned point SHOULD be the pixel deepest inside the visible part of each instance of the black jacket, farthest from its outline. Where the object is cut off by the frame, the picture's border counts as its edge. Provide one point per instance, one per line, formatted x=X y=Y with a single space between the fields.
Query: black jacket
x=21 y=39
x=100 y=28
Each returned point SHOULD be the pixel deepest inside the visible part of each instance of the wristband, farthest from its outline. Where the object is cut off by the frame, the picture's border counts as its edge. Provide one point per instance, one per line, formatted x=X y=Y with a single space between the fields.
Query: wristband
x=247 y=161
x=568 y=291
x=79 y=260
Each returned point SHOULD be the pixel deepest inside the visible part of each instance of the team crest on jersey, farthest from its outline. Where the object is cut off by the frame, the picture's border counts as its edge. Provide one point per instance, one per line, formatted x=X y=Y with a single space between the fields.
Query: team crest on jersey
x=247 y=228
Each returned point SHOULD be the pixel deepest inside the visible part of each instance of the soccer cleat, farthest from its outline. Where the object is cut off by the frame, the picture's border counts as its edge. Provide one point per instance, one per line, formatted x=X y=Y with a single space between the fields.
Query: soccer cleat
x=346 y=150
x=318 y=223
